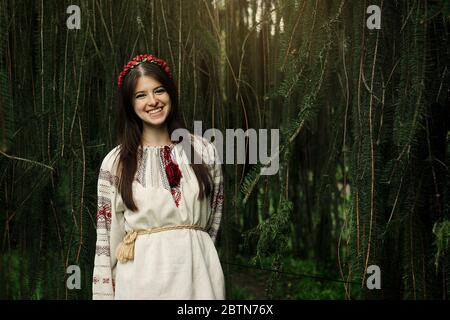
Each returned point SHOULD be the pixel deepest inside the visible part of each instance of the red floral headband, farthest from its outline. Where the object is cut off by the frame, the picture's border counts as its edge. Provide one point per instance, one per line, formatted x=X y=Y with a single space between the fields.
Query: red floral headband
x=138 y=60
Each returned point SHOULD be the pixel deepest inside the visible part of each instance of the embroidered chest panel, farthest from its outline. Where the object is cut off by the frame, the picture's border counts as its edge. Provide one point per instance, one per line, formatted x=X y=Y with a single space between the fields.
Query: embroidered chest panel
x=162 y=167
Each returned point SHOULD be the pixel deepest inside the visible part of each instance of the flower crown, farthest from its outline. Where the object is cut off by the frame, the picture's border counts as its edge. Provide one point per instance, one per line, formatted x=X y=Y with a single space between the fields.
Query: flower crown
x=138 y=60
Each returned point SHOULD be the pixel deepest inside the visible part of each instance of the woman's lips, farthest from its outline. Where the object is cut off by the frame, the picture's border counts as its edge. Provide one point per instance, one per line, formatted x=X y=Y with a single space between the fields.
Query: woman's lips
x=151 y=111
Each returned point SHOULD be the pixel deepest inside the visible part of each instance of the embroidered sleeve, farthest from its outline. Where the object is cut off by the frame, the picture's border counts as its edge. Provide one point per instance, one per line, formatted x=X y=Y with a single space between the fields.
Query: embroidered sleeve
x=110 y=231
x=217 y=197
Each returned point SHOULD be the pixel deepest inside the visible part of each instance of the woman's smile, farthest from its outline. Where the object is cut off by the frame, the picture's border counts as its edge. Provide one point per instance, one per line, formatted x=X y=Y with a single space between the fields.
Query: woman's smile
x=155 y=111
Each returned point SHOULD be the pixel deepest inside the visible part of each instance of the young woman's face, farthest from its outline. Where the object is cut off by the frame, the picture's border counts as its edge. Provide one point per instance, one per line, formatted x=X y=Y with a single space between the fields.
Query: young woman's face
x=151 y=101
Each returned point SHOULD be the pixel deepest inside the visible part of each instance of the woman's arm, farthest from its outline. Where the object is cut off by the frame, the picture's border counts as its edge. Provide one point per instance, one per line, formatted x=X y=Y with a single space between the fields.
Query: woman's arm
x=217 y=197
x=110 y=231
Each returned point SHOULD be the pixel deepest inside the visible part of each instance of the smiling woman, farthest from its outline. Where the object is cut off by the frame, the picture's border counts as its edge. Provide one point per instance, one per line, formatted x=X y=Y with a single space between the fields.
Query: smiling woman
x=152 y=104
x=158 y=213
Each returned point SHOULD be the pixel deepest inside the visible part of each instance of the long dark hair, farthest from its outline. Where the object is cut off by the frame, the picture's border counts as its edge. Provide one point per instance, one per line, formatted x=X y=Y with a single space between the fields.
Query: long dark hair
x=130 y=132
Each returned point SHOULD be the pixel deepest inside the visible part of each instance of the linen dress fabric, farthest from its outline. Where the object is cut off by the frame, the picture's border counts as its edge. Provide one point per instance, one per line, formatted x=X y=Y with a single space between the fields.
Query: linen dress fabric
x=171 y=264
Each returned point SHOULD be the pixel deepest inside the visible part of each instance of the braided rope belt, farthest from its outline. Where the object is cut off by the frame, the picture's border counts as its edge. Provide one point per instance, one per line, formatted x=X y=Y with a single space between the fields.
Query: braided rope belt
x=125 y=250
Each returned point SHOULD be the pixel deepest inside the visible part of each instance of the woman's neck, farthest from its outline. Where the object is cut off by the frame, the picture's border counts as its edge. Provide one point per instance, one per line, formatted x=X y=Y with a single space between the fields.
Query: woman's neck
x=155 y=136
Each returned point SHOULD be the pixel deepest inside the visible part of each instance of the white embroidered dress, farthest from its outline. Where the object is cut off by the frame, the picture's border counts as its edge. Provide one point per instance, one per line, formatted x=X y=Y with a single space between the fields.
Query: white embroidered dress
x=172 y=264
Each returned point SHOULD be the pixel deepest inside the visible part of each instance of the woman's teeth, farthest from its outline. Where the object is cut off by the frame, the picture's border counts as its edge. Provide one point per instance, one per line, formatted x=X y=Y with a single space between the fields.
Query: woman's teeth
x=155 y=111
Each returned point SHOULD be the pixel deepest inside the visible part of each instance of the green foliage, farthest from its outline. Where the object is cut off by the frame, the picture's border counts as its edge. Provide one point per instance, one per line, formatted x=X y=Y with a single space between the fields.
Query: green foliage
x=441 y=231
x=314 y=285
x=307 y=109
x=301 y=280
x=240 y=294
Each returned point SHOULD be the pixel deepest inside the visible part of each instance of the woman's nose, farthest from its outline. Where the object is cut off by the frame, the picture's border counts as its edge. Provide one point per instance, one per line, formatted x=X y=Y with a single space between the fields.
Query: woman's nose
x=151 y=99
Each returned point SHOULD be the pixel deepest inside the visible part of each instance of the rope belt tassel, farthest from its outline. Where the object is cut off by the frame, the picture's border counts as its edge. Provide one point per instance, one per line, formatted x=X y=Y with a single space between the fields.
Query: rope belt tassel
x=125 y=250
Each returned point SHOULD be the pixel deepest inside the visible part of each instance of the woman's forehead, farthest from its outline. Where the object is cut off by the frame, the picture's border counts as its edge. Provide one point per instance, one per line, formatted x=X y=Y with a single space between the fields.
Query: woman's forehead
x=146 y=83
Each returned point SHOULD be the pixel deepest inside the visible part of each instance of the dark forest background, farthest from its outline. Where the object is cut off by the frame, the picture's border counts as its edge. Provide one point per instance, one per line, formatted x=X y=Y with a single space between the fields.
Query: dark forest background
x=364 y=146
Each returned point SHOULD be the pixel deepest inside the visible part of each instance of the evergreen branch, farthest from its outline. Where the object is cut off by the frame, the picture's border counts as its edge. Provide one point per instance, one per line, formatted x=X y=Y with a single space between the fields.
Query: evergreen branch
x=306 y=113
x=27 y=160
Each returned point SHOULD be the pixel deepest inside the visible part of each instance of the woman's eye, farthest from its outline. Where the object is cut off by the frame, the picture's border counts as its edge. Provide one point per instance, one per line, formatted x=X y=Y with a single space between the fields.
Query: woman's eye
x=139 y=96
x=160 y=90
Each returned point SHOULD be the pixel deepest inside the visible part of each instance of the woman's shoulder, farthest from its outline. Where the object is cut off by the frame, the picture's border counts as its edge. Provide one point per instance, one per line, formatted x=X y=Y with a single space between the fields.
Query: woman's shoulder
x=198 y=140
x=110 y=160
x=207 y=148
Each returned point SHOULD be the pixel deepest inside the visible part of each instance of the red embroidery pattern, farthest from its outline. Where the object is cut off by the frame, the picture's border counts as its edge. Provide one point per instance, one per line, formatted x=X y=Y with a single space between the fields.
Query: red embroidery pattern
x=104 y=213
x=107 y=183
x=96 y=280
x=173 y=174
x=218 y=198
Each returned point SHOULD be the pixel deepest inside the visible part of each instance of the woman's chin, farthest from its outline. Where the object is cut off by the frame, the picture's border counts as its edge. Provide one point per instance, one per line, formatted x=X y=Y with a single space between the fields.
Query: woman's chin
x=157 y=121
